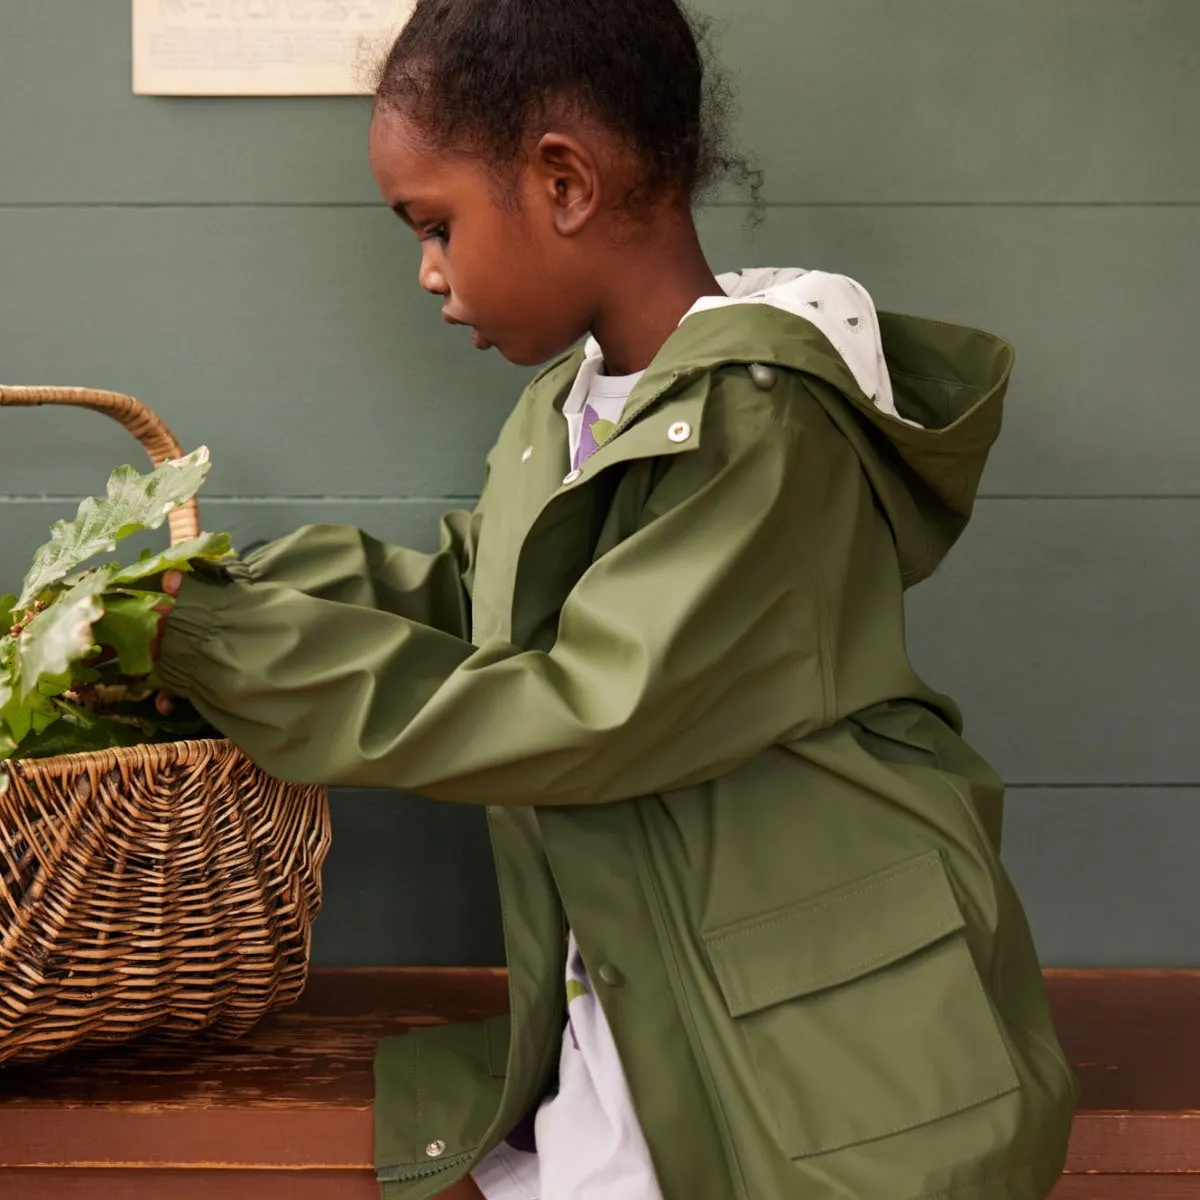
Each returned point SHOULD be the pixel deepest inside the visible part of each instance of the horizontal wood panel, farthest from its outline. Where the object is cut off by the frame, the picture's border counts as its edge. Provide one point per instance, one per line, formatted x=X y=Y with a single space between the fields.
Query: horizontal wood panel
x=101 y=1184
x=296 y=1093
x=943 y=101
x=360 y=1185
x=1129 y=1038
x=408 y=882
x=332 y=1033
x=1116 y=1187
x=296 y=343
x=1099 y=303
x=1107 y=876
x=88 y=1184
x=930 y=100
x=1065 y=629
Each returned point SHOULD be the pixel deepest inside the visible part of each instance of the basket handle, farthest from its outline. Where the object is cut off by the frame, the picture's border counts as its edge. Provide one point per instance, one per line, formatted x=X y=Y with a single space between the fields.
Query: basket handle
x=149 y=429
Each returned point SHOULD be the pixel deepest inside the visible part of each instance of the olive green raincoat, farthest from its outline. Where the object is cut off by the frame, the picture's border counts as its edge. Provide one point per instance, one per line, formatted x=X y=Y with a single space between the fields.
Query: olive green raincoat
x=679 y=681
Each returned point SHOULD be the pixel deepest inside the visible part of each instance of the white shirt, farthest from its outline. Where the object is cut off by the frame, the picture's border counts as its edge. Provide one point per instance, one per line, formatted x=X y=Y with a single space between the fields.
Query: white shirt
x=589 y=1143
x=594 y=407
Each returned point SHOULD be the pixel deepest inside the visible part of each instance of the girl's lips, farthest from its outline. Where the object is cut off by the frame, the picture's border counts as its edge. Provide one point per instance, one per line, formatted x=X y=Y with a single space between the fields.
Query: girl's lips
x=479 y=341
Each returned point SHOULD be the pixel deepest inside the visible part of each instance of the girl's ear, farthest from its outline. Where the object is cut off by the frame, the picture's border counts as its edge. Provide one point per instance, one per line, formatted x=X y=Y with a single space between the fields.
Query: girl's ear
x=568 y=176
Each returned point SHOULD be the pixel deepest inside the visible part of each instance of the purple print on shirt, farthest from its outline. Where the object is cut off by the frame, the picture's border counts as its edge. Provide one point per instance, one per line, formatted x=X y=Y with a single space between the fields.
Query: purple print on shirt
x=587 y=440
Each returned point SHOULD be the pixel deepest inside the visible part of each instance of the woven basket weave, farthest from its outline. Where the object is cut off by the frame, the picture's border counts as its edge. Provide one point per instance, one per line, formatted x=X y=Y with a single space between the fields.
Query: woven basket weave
x=159 y=890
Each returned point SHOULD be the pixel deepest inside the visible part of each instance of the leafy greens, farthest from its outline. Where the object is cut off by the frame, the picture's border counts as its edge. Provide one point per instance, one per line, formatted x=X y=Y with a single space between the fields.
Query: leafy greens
x=76 y=665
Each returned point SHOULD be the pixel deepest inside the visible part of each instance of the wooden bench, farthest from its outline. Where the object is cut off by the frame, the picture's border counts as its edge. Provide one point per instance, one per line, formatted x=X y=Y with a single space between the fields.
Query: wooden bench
x=286 y=1113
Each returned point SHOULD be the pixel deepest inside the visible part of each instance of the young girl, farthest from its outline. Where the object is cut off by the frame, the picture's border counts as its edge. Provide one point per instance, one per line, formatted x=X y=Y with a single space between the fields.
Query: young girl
x=760 y=942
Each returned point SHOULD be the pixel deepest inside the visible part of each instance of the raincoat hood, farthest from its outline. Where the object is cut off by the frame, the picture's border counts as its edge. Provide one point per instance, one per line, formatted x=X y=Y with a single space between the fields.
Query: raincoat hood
x=925 y=397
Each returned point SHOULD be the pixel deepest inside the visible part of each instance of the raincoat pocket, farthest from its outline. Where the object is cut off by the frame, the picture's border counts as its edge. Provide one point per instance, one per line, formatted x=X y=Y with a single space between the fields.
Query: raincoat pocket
x=862 y=1009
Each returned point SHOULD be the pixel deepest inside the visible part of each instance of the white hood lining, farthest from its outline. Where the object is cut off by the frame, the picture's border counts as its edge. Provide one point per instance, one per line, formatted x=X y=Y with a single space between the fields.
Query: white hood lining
x=838 y=306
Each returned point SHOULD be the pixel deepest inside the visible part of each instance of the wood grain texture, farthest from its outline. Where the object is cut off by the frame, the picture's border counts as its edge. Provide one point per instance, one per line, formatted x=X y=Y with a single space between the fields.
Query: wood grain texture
x=200 y=1184
x=154 y=1184
x=1130 y=1036
x=930 y=100
x=1118 y=1187
x=296 y=1094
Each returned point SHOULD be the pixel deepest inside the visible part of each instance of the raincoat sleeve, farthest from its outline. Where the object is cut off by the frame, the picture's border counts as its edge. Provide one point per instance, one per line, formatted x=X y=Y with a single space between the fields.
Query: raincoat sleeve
x=343 y=564
x=682 y=652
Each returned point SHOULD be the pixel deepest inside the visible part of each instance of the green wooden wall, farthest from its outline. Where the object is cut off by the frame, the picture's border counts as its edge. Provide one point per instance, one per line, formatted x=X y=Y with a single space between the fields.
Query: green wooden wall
x=1027 y=165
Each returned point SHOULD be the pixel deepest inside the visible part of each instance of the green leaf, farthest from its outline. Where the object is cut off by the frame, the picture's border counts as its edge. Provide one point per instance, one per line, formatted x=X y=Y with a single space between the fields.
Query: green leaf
x=40 y=719
x=78 y=732
x=209 y=547
x=19 y=722
x=56 y=639
x=58 y=693
x=132 y=503
x=129 y=626
x=14 y=716
x=19 y=715
x=55 y=685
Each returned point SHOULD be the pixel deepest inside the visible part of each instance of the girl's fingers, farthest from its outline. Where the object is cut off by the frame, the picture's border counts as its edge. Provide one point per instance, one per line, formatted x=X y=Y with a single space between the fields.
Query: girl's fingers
x=172 y=581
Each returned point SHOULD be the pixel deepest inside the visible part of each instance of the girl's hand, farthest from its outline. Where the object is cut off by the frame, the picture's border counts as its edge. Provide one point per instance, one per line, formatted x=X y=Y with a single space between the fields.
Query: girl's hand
x=172 y=581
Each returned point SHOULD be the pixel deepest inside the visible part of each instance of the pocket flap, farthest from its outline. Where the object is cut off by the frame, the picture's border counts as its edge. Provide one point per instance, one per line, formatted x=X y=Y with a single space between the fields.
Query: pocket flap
x=835 y=937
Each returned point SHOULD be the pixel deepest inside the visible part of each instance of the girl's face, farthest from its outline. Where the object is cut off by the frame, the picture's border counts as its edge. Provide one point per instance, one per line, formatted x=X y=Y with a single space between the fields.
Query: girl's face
x=501 y=267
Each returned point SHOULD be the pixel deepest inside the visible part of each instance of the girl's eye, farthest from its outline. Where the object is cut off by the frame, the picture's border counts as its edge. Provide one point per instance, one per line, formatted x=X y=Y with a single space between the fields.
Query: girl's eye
x=437 y=233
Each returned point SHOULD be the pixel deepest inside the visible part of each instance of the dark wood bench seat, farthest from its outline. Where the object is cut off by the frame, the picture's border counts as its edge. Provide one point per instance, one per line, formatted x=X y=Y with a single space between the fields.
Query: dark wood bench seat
x=287 y=1111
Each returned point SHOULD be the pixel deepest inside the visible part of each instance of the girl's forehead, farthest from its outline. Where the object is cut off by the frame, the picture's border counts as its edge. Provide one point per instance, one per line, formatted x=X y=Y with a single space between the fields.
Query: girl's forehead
x=392 y=138
x=399 y=159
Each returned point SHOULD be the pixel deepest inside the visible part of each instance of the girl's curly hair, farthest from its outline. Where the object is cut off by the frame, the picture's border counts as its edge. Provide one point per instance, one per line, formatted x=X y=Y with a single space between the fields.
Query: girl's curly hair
x=481 y=76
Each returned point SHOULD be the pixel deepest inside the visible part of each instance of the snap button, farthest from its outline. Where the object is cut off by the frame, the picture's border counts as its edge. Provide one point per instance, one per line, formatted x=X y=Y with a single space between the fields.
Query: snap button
x=527 y=454
x=610 y=975
x=679 y=432
x=435 y=1149
x=764 y=377
x=572 y=477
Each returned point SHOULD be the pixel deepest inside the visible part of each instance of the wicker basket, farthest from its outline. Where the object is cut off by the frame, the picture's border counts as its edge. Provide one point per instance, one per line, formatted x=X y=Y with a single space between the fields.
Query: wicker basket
x=159 y=889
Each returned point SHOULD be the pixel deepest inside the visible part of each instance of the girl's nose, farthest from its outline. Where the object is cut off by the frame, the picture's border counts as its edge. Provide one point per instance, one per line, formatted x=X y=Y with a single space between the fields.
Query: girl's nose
x=432 y=278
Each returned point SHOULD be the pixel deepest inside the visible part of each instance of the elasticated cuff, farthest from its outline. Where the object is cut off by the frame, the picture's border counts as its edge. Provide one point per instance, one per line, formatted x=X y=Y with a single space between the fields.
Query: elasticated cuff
x=191 y=624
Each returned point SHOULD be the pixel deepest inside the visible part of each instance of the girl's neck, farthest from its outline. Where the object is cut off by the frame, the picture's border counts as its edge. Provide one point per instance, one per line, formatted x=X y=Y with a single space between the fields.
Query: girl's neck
x=652 y=285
